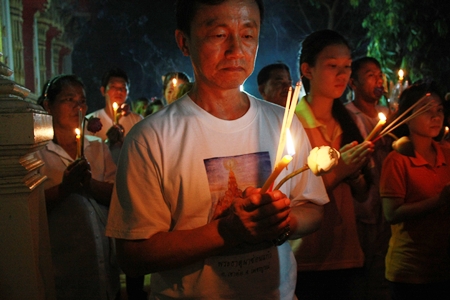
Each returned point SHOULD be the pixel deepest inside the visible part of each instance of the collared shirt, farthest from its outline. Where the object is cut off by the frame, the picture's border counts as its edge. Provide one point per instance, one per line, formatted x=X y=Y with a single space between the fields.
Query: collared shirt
x=418 y=249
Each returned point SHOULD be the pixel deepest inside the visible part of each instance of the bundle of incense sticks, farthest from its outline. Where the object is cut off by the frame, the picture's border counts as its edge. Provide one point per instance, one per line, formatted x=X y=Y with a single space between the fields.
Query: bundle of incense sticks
x=396 y=123
x=281 y=163
x=291 y=104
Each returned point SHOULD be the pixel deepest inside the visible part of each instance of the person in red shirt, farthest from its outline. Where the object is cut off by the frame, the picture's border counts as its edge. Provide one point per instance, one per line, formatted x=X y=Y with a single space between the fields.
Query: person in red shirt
x=415 y=192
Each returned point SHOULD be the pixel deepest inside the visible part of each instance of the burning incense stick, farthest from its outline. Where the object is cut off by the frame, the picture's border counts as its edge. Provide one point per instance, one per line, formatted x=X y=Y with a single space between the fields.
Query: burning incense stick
x=404 y=113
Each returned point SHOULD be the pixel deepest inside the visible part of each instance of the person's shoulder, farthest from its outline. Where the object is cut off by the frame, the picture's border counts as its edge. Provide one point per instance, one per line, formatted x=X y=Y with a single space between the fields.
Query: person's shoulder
x=383 y=109
x=93 y=139
x=135 y=115
x=350 y=106
x=96 y=113
x=265 y=105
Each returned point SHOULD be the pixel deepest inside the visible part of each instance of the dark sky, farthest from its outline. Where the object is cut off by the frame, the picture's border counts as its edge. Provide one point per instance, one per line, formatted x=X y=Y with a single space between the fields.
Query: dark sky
x=138 y=36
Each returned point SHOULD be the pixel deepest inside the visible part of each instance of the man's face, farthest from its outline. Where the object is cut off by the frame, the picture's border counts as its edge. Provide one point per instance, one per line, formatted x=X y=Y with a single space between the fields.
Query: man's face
x=368 y=83
x=275 y=90
x=116 y=90
x=223 y=43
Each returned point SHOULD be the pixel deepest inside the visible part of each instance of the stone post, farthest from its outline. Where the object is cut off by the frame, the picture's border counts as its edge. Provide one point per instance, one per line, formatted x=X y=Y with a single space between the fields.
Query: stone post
x=25 y=256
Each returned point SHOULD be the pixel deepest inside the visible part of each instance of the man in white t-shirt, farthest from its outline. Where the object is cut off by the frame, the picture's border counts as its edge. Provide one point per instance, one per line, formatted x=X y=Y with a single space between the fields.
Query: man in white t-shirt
x=114 y=87
x=374 y=232
x=186 y=207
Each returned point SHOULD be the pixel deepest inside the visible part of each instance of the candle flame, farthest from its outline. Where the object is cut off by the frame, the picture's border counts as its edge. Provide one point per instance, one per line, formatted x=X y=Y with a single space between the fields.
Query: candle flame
x=289 y=143
x=115 y=106
x=446 y=129
x=77 y=132
x=382 y=116
x=400 y=74
x=174 y=81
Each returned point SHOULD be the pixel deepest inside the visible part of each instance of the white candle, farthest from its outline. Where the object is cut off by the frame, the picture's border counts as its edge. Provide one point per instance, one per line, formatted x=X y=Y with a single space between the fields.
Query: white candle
x=377 y=127
x=283 y=163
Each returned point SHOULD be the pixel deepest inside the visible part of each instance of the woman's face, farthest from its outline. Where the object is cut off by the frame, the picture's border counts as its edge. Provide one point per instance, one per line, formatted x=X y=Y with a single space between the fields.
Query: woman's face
x=429 y=123
x=171 y=90
x=66 y=106
x=330 y=74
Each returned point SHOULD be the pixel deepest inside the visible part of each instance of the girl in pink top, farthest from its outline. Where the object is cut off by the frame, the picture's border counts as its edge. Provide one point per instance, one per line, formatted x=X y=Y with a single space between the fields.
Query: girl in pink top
x=329 y=260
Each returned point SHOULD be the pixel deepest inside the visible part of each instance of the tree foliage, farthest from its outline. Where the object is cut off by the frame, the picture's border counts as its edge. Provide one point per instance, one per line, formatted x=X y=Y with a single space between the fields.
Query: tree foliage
x=411 y=35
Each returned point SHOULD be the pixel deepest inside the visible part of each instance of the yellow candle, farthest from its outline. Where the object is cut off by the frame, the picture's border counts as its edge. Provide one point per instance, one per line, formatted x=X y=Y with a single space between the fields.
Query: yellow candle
x=400 y=75
x=115 y=108
x=283 y=163
x=444 y=136
x=78 y=137
x=278 y=168
x=377 y=128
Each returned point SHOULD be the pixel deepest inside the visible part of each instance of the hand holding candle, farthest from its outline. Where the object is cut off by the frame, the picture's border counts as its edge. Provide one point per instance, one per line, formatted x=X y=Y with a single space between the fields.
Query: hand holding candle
x=78 y=138
x=115 y=107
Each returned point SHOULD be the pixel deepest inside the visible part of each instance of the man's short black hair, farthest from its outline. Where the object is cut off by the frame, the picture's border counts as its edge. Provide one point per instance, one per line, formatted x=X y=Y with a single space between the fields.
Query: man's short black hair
x=115 y=72
x=360 y=62
x=264 y=73
x=185 y=11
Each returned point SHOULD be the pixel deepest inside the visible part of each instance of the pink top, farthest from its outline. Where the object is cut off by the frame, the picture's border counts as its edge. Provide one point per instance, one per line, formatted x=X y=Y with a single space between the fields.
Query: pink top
x=335 y=245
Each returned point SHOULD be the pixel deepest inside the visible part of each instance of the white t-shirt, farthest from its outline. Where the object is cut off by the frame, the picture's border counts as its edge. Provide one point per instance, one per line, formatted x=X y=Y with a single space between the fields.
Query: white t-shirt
x=176 y=165
x=126 y=121
x=83 y=258
x=370 y=211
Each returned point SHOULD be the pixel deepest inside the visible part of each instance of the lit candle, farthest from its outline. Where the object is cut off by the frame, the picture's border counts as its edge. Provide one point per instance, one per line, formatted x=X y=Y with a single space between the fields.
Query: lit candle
x=174 y=82
x=400 y=80
x=81 y=127
x=400 y=75
x=115 y=108
x=377 y=128
x=283 y=163
x=78 y=137
x=444 y=136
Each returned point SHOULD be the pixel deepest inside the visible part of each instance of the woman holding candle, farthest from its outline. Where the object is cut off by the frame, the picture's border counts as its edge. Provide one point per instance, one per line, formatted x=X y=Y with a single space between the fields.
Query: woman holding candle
x=77 y=195
x=415 y=191
x=328 y=261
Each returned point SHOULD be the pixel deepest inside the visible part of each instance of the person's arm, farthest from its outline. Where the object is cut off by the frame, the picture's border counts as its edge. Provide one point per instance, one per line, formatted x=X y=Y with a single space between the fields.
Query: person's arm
x=253 y=219
x=72 y=182
x=353 y=157
x=100 y=191
x=305 y=219
x=397 y=211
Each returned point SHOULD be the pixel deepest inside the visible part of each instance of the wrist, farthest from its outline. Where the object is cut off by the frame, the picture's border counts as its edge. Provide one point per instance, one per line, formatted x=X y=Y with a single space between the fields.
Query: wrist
x=355 y=177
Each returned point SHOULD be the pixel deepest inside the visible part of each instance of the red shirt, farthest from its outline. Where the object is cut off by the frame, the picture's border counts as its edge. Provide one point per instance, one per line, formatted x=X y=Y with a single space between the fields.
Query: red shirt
x=418 y=249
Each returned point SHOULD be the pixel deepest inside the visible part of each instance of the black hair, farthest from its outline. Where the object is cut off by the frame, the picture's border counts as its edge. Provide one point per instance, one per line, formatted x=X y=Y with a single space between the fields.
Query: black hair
x=114 y=72
x=311 y=47
x=264 y=73
x=360 y=62
x=185 y=11
x=313 y=44
x=54 y=86
x=409 y=97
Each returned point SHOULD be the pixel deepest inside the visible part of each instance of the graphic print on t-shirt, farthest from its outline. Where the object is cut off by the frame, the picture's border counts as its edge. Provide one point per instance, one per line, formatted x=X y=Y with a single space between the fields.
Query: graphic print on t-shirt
x=229 y=176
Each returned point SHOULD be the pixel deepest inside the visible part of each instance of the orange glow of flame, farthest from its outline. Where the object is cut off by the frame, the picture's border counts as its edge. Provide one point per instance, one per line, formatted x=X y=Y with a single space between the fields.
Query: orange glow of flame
x=400 y=74
x=290 y=143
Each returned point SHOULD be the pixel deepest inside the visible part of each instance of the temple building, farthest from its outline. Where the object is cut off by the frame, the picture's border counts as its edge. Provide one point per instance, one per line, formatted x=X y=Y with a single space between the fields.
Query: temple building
x=36 y=43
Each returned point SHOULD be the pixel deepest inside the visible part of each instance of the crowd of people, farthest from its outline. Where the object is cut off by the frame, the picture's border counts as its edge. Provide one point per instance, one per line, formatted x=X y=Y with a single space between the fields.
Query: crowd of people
x=170 y=185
